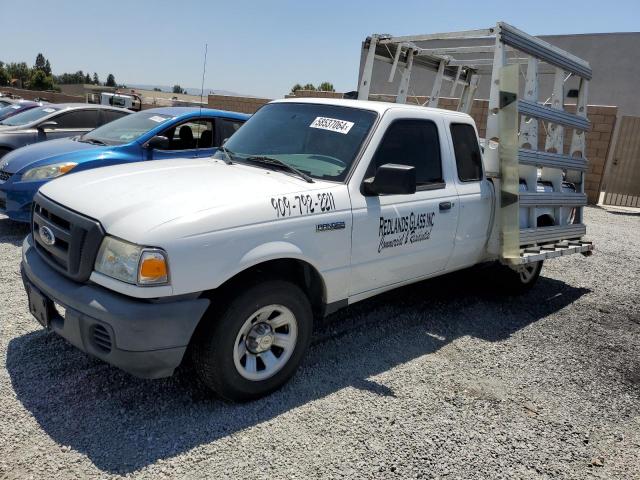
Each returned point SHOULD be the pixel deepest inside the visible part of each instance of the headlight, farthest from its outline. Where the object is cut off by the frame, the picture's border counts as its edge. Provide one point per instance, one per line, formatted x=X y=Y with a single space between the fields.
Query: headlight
x=132 y=263
x=48 y=171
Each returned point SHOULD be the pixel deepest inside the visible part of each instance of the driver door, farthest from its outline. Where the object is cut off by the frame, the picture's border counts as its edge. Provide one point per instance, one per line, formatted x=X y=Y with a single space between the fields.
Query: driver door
x=399 y=238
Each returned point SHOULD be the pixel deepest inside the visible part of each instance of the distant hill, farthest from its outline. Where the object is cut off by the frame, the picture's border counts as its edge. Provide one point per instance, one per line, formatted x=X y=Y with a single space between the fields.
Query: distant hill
x=189 y=90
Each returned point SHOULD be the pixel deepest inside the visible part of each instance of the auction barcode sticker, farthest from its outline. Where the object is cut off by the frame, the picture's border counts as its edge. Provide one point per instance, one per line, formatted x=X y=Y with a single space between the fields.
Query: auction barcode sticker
x=332 y=124
x=157 y=119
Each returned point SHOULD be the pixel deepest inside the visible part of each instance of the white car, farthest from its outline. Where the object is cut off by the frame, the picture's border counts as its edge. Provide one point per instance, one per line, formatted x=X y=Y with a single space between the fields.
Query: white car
x=310 y=206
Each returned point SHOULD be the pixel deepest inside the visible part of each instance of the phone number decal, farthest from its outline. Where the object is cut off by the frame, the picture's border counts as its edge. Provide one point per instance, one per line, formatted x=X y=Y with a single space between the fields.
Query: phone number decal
x=303 y=204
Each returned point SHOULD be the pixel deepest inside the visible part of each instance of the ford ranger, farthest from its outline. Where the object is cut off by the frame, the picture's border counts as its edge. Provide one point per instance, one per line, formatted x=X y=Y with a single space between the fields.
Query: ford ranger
x=311 y=206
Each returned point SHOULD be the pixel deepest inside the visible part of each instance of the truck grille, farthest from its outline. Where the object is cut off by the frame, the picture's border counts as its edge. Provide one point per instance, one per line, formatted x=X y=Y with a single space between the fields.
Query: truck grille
x=4 y=176
x=72 y=250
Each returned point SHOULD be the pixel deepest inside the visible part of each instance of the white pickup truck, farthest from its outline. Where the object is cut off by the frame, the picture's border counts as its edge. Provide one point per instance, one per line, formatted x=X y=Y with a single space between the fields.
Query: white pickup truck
x=311 y=206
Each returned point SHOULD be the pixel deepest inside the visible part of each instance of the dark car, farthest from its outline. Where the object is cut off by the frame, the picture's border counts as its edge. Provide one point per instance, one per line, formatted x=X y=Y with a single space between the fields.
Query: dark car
x=53 y=121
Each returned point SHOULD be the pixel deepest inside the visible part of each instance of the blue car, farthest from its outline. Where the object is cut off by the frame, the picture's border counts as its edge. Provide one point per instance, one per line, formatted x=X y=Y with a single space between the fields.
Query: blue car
x=159 y=133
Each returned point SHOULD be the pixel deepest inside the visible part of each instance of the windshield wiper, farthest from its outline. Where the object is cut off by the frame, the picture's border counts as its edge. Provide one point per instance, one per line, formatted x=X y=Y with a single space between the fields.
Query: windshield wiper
x=227 y=155
x=280 y=163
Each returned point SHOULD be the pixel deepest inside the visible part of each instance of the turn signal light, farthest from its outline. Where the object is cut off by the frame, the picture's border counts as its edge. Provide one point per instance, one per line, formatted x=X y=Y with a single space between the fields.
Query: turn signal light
x=153 y=268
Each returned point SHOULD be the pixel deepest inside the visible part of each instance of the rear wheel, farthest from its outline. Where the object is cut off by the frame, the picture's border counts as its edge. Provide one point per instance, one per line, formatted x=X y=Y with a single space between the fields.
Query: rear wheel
x=520 y=279
x=257 y=342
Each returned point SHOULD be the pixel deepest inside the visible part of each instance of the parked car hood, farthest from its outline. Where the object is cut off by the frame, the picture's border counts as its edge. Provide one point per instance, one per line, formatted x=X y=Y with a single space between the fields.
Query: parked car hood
x=180 y=197
x=51 y=151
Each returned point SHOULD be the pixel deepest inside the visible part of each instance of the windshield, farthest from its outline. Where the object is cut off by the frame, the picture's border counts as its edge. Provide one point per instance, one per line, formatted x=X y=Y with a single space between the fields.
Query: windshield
x=29 y=116
x=126 y=129
x=11 y=110
x=319 y=140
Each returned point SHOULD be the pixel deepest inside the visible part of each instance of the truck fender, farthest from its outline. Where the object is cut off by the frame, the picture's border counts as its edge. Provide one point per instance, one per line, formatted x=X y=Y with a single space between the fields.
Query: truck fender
x=271 y=251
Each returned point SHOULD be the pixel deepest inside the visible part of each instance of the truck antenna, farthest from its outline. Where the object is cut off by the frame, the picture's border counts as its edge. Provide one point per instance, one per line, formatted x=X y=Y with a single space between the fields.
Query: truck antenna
x=204 y=71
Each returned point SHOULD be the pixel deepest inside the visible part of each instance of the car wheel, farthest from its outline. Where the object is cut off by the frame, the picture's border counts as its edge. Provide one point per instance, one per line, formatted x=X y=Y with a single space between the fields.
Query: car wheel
x=522 y=279
x=256 y=343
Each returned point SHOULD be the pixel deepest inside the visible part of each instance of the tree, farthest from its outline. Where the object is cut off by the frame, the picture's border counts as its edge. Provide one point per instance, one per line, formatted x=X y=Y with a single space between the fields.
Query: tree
x=156 y=89
x=309 y=86
x=4 y=75
x=177 y=89
x=111 y=80
x=96 y=79
x=87 y=78
x=296 y=87
x=47 y=68
x=19 y=71
x=40 y=62
x=326 y=87
x=40 y=80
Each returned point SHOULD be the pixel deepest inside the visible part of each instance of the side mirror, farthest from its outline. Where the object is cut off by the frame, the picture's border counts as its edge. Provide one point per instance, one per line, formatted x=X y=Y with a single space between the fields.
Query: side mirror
x=49 y=124
x=158 y=142
x=391 y=179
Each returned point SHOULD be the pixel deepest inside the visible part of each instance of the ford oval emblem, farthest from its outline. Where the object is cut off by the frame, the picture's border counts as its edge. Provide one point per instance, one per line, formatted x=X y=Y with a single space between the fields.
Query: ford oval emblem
x=46 y=235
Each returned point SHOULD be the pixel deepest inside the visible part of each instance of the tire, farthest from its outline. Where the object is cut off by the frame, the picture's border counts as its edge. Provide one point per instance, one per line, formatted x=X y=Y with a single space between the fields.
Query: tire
x=4 y=151
x=256 y=343
x=517 y=282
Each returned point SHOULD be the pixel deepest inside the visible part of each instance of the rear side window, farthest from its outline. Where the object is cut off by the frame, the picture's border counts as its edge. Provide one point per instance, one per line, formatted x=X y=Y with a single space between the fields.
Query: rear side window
x=78 y=119
x=467 y=151
x=111 y=115
x=226 y=128
x=415 y=143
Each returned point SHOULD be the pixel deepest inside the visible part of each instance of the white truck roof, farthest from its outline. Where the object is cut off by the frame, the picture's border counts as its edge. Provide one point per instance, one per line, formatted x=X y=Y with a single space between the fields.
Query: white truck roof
x=379 y=107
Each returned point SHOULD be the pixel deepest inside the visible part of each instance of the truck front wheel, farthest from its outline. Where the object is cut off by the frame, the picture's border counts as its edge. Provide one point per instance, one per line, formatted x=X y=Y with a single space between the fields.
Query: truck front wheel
x=256 y=343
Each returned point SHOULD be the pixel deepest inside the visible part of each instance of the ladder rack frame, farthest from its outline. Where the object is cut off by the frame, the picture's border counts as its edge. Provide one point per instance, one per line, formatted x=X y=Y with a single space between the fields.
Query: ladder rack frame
x=512 y=128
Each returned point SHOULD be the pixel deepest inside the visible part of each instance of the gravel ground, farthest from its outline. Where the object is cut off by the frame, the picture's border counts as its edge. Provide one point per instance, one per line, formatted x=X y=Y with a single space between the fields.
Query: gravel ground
x=444 y=379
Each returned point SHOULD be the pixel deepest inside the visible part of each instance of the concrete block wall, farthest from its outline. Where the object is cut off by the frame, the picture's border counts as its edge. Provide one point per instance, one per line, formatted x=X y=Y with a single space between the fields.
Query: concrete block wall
x=236 y=104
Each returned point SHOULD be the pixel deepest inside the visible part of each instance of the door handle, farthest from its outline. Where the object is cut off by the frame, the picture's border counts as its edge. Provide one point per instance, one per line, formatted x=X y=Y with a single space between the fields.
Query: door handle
x=445 y=206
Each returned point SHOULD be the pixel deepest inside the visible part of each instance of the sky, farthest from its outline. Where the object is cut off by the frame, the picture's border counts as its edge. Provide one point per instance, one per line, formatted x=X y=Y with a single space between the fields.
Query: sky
x=262 y=48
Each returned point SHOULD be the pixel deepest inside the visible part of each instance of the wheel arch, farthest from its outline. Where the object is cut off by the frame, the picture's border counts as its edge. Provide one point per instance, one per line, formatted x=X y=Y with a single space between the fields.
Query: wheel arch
x=280 y=260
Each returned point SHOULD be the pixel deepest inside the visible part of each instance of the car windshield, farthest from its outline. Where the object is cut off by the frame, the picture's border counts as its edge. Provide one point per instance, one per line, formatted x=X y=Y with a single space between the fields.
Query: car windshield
x=29 y=116
x=126 y=129
x=319 y=140
x=10 y=110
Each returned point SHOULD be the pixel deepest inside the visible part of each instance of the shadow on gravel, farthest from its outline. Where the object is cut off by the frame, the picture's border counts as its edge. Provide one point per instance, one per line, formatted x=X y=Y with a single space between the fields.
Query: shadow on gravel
x=123 y=424
x=12 y=232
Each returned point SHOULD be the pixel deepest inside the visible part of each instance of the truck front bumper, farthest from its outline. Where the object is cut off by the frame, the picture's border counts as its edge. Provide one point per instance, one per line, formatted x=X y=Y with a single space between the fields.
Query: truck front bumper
x=147 y=339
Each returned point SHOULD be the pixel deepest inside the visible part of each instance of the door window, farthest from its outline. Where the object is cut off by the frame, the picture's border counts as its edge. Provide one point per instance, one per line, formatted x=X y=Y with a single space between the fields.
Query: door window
x=414 y=143
x=467 y=151
x=111 y=115
x=226 y=128
x=190 y=135
x=77 y=119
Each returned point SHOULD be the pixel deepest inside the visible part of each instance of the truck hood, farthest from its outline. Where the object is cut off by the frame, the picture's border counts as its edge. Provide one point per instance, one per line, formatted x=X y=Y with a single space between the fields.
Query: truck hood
x=193 y=196
x=46 y=152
